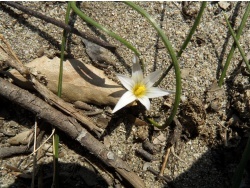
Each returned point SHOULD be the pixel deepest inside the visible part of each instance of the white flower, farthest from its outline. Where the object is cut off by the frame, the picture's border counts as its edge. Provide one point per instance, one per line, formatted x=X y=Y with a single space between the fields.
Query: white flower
x=139 y=88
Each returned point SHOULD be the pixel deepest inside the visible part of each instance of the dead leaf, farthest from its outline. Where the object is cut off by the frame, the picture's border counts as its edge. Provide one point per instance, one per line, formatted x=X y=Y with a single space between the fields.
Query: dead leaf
x=161 y=139
x=81 y=82
x=214 y=87
x=224 y=5
x=21 y=138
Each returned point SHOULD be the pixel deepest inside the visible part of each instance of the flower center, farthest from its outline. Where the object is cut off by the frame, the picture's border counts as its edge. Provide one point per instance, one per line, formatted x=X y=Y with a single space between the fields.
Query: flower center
x=139 y=90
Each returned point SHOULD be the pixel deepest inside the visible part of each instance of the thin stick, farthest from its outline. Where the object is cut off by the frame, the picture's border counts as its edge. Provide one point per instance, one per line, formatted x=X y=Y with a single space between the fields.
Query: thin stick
x=34 y=158
x=164 y=162
x=53 y=131
x=61 y=25
x=35 y=151
x=97 y=25
x=35 y=137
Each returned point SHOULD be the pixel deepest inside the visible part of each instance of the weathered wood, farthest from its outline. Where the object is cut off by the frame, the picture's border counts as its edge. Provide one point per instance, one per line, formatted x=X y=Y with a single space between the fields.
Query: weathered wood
x=13 y=150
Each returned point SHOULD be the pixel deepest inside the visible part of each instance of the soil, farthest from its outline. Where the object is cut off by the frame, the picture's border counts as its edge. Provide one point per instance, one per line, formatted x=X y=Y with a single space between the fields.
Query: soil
x=214 y=121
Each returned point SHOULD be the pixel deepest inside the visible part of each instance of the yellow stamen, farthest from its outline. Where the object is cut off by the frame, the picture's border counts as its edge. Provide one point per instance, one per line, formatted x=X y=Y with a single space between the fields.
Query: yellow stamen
x=139 y=90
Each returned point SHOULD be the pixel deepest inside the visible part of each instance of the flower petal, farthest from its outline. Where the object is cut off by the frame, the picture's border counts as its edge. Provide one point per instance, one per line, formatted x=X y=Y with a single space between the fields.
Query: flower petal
x=145 y=101
x=126 y=98
x=127 y=82
x=137 y=74
x=135 y=59
x=157 y=92
x=152 y=78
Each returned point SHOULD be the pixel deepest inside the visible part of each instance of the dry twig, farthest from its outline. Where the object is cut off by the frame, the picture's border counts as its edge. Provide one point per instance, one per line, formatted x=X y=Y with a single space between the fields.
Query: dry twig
x=164 y=162
x=67 y=124
x=70 y=126
x=13 y=150
x=6 y=55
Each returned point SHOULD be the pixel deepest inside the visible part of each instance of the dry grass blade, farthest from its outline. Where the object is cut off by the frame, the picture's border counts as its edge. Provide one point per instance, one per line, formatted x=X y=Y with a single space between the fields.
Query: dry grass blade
x=164 y=162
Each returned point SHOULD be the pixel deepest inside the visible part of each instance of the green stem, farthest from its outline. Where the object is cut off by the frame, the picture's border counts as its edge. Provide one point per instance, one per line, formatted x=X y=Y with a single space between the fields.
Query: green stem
x=55 y=183
x=240 y=169
x=230 y=55
x=97 y=25
x=59 y=93
x=246 y=155
x=173 y=57
x=191 y=32
x=59 y=90
x=237 y=43
x=184 y=45
x=152 y=122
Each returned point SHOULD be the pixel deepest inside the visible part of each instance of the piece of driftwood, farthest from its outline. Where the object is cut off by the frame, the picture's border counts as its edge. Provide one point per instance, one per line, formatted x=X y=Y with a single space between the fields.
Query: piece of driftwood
x=60 y=24
x=71 y=127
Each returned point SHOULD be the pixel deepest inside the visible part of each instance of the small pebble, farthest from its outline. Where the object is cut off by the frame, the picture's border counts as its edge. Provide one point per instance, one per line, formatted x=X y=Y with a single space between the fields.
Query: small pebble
x=40 y=52
x=224 y=5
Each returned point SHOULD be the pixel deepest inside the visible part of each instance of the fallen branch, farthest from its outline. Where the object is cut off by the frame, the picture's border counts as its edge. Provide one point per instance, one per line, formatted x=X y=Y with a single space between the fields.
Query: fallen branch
x=60 y=24
x=13 y=150
x=71 y=127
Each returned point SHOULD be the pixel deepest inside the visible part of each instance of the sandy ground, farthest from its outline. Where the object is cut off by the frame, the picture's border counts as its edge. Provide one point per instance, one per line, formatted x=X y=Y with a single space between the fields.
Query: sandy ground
x=211 y=143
